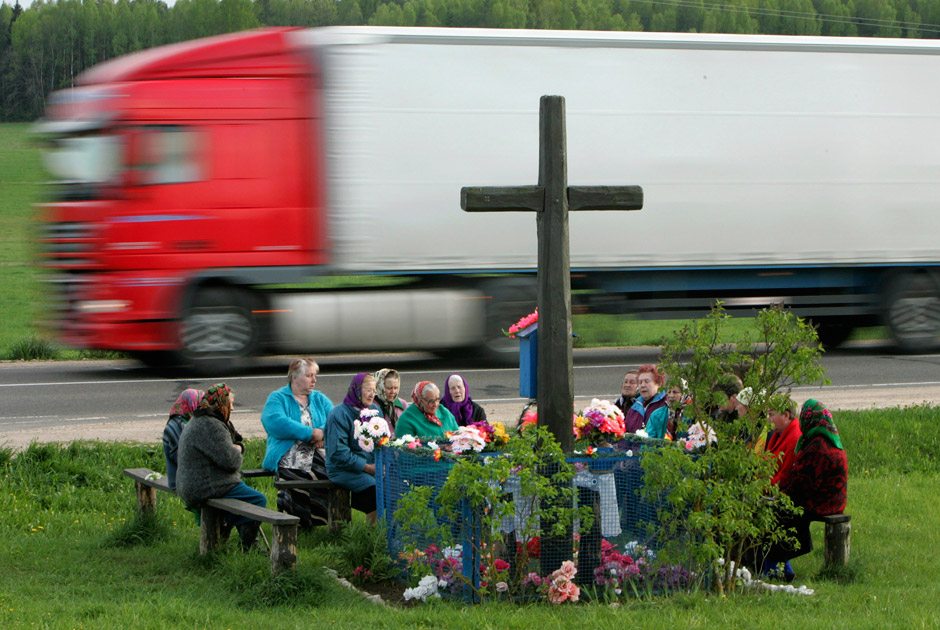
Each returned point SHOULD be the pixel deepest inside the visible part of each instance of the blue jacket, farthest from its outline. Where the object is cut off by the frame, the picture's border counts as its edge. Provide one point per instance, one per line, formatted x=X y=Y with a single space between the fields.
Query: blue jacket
x=281 y=419
x=345 y=460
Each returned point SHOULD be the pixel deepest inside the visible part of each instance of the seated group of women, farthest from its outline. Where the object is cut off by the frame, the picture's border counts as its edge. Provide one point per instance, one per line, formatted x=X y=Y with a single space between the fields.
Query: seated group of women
x=300 y=421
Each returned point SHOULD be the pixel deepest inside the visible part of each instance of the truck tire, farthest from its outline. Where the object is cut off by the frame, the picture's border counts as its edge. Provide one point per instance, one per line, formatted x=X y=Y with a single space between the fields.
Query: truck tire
x=912 y=311
x=832 y=331
x=218 y=330
x=511 y=299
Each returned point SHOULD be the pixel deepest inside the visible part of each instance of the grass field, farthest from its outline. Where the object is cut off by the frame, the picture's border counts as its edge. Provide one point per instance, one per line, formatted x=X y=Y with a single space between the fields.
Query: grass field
x=71 y=559
x=22 y=293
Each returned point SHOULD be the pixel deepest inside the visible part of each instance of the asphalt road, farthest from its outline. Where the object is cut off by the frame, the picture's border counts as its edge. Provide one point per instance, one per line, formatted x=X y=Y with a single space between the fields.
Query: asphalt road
x=104 y=400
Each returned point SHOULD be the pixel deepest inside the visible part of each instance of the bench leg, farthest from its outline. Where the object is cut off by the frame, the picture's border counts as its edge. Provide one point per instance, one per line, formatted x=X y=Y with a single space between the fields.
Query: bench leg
x=339 y=508
x=283 y=548
x=838 y=541
x=146 y=500
x=210 y=520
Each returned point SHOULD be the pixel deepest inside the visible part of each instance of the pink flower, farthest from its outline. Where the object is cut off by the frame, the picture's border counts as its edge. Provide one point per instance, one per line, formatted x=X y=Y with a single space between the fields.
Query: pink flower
x=501 y=587
x=567 y=570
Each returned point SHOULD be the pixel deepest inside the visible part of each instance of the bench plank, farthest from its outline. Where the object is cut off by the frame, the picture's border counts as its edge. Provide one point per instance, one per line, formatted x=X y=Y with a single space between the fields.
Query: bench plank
x=337 y=498
x=249 y=510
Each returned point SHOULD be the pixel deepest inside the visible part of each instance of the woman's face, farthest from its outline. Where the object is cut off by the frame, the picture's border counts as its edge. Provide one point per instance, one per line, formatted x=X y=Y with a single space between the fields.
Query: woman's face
x=674 y=395
x=629 y=385
x=431 y=398
x=367 y=393
x=457 y=391
x=391 y=388
x=646 y=386
x=302 y=385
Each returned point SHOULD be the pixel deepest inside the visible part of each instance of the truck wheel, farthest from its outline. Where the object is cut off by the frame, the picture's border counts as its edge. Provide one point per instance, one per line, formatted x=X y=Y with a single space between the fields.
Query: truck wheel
x=217 y=328
x=832 y=331
x=912 y=312
x=511 y=299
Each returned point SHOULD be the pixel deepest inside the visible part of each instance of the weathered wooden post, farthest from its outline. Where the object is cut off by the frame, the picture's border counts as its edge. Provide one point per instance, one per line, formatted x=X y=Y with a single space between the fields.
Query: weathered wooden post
x=551 y=199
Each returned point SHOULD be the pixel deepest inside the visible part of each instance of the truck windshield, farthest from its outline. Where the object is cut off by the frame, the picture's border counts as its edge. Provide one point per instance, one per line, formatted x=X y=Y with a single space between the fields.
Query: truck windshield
x=84 y=162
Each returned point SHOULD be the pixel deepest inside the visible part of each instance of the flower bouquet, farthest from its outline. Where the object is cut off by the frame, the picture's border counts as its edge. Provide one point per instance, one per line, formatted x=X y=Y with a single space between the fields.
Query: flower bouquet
x=371 y=430
x=599 y=422
x=525 y=322
x=468 y=438
x=494 y=434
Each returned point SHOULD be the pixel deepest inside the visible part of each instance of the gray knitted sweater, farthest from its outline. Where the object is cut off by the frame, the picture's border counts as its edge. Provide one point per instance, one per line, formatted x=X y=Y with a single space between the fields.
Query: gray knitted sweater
x=209 y=463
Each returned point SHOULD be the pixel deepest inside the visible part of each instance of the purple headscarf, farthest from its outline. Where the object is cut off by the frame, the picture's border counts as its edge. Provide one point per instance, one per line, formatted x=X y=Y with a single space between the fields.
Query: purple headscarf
x=354 y=393
x=463 y=410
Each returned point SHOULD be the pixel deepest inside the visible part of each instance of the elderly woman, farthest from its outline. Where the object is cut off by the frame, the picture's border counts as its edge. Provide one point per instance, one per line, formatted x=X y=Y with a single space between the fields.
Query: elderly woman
x=387 y=385
x=649 y=398
x=426 y=418
x=457 y=401
x=210 y=457
x=817 y=480
x=294 y=418
x=346 y=463
x=180 y=413
x=627 y=392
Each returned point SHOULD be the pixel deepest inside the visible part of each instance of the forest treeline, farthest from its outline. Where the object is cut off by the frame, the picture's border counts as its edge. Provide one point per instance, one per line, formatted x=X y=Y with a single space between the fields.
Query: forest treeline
x=44 y=47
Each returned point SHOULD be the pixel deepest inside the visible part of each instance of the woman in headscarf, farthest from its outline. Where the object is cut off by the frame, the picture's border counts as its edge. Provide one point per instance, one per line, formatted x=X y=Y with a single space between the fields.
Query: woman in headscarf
x=817 y=481
x=180 y=413
x=457 y=400
x=387 y=386
x=426 y=417
x=346 y=463
x=210 y=458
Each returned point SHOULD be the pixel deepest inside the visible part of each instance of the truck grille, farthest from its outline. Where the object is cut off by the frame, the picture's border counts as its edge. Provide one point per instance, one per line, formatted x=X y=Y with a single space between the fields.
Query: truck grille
x=67 y=243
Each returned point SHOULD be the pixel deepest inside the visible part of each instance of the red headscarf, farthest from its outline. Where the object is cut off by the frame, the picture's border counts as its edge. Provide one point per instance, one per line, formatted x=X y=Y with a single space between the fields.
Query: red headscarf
x=422 y=405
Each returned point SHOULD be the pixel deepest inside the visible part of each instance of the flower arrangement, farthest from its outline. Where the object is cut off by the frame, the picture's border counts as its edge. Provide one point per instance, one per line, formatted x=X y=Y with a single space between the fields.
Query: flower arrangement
x=371 y=430
x=601 y=420
x=525 y=322
x=468 y=438
x=561 y=586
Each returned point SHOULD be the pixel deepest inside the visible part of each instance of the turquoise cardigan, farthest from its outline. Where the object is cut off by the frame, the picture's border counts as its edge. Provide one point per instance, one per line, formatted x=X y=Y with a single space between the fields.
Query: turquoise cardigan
x=281 y=419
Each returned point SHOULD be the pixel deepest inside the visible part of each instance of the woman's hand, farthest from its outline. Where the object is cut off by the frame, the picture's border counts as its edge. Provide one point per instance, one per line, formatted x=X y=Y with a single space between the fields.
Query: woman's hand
x=370 y=468
x=316 y=438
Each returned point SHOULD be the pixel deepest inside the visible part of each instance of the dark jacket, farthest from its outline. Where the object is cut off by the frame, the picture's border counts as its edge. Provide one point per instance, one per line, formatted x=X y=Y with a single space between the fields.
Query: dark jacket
x=209 y=462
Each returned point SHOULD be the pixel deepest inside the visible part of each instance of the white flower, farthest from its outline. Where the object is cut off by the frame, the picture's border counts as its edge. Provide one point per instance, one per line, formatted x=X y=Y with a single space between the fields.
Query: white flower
x=433 y=446
x=377 y=427
x=357 y=427
x=630 y=453
x=501 y=587
x=427 y=587
x=641 y=433
x=366 y=444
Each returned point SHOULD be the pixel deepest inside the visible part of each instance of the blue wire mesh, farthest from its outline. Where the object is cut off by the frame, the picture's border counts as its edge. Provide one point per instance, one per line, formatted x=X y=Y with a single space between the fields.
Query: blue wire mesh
x=618 y=551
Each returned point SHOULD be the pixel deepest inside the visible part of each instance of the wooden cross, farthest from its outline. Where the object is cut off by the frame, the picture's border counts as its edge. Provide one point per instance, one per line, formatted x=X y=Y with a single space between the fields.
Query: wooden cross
x=551 y=200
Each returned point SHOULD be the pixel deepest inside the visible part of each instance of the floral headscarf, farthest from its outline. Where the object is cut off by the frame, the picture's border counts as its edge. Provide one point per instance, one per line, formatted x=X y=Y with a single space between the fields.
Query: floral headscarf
x=216 y=401
x=354 y=393
x=186 y=404
x=380 y=383
x=816 y=420
x=422 y=405
x=463 y=410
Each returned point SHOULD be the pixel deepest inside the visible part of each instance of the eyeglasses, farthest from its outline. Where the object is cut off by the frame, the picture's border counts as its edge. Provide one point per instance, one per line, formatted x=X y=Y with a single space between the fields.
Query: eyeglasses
x=432 y=401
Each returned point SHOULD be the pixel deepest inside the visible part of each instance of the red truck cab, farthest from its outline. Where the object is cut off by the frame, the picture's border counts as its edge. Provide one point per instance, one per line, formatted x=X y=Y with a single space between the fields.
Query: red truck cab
x=176 y=187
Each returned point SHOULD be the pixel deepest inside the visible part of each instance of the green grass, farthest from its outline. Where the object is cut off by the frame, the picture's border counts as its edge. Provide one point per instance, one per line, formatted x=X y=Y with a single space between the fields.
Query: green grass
x=20 y=176
x=22 y=295
x=72 y=556
x=625 y=330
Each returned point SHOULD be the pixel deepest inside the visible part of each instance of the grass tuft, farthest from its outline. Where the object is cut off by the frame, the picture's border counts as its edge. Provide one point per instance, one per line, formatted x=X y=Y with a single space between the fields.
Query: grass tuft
x=141 y=530
x=32 y=348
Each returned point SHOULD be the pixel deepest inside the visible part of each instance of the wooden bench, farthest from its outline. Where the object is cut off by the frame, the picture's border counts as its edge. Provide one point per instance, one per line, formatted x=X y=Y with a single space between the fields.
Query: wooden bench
x=337 y=499
x=838 y=540
x=284 y=540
